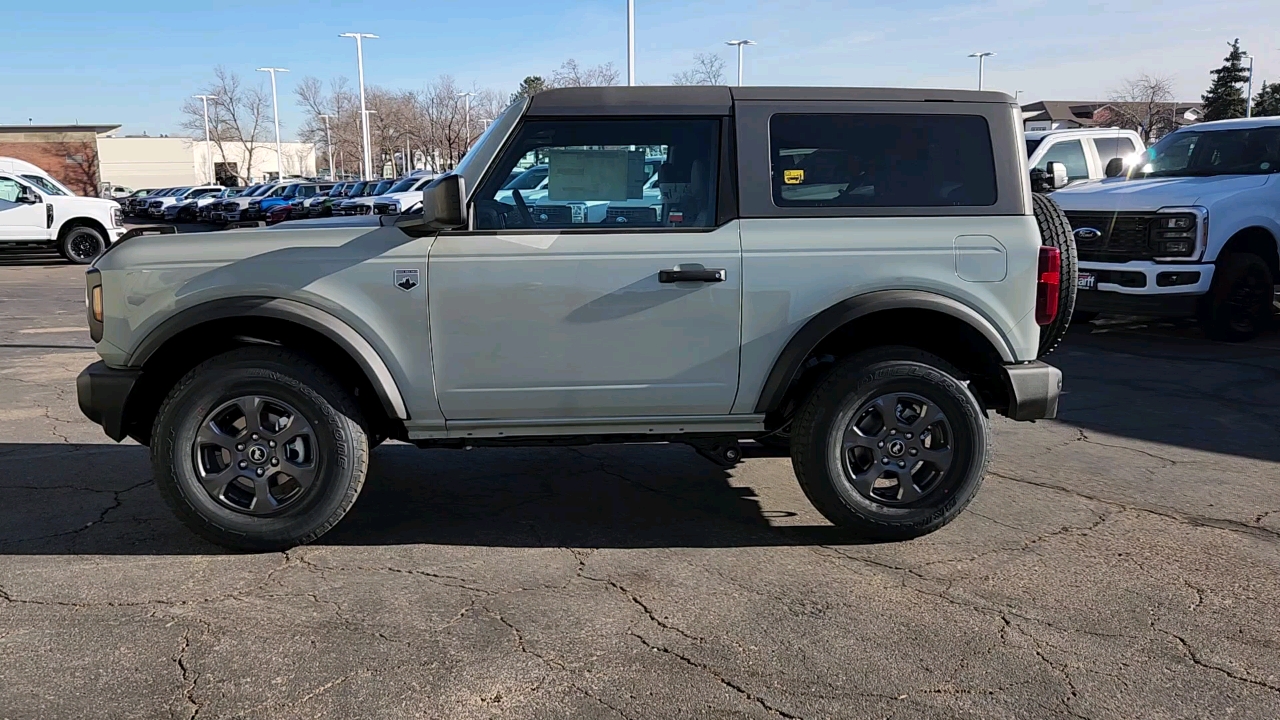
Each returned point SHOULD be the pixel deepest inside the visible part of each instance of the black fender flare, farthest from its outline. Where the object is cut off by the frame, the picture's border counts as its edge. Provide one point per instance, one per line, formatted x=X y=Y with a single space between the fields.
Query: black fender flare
x=308 y=316
x=789 y=361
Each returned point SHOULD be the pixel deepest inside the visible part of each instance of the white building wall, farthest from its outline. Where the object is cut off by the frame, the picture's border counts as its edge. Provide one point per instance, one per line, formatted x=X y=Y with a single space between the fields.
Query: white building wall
x=167 y=161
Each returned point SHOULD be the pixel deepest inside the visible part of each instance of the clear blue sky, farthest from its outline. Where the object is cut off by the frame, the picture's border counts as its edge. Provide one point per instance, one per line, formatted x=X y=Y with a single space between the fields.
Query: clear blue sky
x=134 y=63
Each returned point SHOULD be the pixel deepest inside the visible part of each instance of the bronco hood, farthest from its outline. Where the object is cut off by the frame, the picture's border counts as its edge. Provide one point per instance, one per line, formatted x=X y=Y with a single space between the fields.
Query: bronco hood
x=1154 y=193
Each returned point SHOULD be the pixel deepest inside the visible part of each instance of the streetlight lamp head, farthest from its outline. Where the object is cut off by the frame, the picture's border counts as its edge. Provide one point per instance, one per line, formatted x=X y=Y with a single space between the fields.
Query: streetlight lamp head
x=358 y=35
x=740 y=42
x=981 y=54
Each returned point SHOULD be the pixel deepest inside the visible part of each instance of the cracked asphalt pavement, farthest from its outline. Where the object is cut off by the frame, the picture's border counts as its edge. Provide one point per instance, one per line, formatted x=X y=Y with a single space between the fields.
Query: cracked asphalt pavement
x=1119 y=562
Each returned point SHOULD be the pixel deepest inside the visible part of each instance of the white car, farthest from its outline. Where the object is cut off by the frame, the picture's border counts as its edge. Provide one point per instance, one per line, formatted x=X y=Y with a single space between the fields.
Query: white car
x=1087 y=153
x=79 y=228
x=156 y=206
x=233 y=208
x=401 y=195
x=1192 y=230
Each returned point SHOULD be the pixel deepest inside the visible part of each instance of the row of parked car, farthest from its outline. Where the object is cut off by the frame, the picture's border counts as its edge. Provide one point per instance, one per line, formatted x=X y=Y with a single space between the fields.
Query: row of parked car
x=277 y=201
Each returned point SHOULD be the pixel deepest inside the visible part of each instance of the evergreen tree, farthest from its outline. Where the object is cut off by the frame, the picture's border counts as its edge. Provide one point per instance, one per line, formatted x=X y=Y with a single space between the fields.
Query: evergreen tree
x=529 y=87
x=1224 y=99
x=1267 y=102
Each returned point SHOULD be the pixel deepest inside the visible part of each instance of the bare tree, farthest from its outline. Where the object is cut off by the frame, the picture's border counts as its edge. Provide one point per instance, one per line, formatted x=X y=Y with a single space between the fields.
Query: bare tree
x=341 y=103
x=708 y=69
x=238 y=116
x=570 y=74
x=1145 y=104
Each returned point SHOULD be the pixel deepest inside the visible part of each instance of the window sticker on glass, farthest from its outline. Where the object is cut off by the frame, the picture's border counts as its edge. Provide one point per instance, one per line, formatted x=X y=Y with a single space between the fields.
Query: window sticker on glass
x=581 y=175
x=793 y=177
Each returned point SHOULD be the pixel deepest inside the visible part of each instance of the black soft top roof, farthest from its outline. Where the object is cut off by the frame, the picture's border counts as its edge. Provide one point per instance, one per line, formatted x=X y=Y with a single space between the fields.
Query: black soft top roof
x=719 y=100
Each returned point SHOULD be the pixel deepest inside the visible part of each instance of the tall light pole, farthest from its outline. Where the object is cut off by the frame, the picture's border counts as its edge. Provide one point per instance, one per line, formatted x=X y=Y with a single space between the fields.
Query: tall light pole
x=328 y=143
x=740 y=44
x=466 y=114
x=631 y=42
x=364 y=116
x=981 y=56
x=1248 y=102
x=275 y=114
x=208 y=149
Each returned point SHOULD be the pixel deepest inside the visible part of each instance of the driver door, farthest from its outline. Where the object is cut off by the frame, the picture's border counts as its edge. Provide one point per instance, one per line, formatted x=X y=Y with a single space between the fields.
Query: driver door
x=597 y=295
x=20 y=221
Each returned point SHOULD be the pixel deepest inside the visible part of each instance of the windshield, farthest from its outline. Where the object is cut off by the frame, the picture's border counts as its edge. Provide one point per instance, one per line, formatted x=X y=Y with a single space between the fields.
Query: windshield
x=355 y=190
x=486 y=146
x=45 y=184
x=381 y=187
x=529 y=179
x=404 y=185
x=1191 y=153
x=260 y=191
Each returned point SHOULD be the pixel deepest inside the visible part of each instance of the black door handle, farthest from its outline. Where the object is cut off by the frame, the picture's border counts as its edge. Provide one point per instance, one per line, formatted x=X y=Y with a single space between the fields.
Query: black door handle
x=674 y=276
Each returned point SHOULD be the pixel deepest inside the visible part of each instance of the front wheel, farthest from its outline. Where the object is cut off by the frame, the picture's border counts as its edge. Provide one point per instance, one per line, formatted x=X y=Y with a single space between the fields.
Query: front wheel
x=259 y=449
x=81 y=244
x=1239 y=302
x=892 y=445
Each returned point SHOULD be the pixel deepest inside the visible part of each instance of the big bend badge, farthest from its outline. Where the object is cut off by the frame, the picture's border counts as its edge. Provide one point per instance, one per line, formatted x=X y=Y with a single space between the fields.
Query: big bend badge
x=406 y=280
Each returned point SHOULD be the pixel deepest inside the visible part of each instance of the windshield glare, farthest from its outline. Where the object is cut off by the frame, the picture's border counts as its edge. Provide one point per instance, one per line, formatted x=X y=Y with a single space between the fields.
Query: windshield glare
x=529 y=179
x=1190 y=153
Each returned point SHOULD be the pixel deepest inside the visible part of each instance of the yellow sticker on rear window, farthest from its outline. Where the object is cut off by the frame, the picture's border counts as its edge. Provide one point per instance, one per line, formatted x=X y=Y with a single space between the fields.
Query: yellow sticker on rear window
x=793 y=177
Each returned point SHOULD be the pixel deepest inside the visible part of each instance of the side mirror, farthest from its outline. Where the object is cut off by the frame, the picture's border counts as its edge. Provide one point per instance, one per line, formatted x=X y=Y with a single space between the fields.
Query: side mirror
x=1057 y=173
x=444 y=203
x=1115 y=167
x=27 y=196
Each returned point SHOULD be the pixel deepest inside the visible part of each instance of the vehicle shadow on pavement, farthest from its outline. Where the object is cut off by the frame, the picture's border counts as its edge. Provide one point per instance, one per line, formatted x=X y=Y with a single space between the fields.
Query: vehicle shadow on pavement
x=99 y=499
x=1163 y=382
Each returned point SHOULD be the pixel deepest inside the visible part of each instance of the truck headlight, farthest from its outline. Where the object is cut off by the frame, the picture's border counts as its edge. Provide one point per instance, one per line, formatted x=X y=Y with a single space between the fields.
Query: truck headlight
x=117 y=217
x=1179 y=233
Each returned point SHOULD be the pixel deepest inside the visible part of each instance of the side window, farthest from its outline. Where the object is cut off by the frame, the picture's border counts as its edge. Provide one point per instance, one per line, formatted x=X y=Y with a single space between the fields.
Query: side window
x=9 y=190
x=881 y=160
x=1069 y=153
x=1114 y=147
x=604 y=173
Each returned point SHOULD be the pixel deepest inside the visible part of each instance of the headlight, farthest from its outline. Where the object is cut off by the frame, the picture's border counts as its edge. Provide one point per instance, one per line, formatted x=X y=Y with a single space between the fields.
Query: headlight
x=117 y=217
x=1179 y=233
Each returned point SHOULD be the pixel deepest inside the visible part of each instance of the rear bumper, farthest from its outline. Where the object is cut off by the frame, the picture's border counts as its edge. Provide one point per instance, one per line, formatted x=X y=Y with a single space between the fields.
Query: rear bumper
x=103 y=393
x=1033 y=390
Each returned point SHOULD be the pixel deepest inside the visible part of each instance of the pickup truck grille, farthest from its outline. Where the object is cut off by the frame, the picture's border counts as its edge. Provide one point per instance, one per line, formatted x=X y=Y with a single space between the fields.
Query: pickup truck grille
x=625 y=215
x=558 y=214
x=1124 y=236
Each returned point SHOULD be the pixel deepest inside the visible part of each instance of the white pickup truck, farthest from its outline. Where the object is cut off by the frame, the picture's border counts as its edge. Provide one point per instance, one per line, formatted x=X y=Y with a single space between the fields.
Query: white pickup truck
x=41 y=215
x=1193 y=229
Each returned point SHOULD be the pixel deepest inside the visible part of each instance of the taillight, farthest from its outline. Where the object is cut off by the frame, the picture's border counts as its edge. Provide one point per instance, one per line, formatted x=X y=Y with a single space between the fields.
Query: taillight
x=1048 y=283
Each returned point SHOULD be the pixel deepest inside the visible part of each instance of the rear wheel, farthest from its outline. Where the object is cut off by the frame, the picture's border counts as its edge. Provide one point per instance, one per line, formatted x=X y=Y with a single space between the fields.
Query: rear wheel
x=81 y=244
x=1239 y=303
x=892 y=444
x=1055 y=232
x=259 y=449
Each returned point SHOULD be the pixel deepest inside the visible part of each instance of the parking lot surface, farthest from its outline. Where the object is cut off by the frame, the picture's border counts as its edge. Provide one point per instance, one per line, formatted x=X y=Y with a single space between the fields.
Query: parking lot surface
x=1119 y=562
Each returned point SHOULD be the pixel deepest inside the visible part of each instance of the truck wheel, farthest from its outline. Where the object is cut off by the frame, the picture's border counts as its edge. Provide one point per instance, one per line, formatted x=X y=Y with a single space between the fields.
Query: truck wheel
x=891 y=445
x=259 y=449
x=1055 y=232
x=81 y=244
x=1239 y=302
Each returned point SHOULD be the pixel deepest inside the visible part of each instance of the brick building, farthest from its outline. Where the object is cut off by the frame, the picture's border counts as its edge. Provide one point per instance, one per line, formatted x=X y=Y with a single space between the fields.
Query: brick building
x=67 y=152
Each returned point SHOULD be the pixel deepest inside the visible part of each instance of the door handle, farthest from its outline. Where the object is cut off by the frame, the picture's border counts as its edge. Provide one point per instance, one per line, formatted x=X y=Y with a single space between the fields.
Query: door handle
x=703 y=275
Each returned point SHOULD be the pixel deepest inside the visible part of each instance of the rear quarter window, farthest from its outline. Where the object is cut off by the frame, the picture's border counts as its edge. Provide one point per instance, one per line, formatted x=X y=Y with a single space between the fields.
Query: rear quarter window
x=881 y=160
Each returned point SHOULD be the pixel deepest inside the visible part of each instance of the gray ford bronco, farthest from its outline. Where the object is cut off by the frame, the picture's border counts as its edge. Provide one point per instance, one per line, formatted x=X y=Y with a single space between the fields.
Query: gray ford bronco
x=861 y=275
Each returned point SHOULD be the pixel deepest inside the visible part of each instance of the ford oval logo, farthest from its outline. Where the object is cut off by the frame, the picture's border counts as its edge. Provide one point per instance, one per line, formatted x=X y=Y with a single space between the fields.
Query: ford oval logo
x=1087 y=234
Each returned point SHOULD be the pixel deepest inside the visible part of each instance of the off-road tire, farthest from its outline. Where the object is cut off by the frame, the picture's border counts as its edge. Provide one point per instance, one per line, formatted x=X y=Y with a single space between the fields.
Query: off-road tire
x=341 y=438
x=74 y=244
x=1223 y=319
x=1055 y=232
x=820 y=424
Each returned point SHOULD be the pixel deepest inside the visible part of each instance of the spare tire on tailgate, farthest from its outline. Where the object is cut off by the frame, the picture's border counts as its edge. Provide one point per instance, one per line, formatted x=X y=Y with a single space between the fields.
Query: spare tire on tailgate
x=1055 y=232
